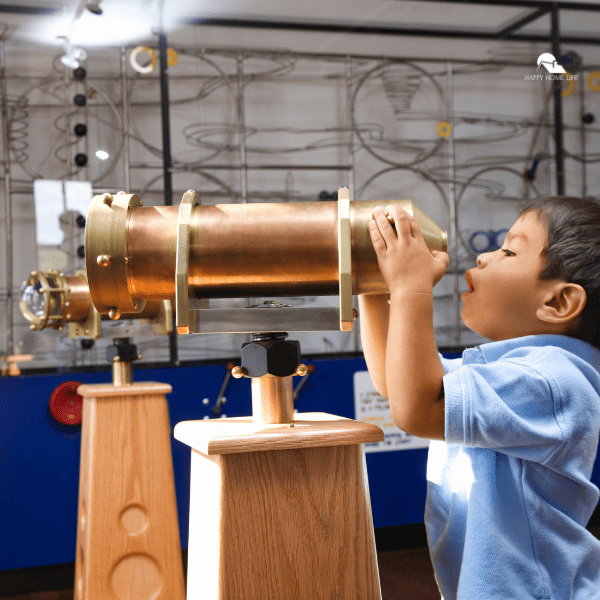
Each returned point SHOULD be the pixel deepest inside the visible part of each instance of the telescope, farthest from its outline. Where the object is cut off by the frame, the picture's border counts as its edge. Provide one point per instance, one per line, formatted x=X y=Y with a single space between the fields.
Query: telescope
x=51 y=300
x=135 y=254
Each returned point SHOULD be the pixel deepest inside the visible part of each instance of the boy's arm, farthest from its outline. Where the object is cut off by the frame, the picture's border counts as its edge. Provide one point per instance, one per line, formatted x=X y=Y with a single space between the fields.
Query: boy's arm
x=413 y=370
x=374 y=314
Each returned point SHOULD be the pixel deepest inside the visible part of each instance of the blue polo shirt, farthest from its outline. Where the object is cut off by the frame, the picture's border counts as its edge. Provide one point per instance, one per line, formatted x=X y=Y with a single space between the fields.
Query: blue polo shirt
x=509 y=492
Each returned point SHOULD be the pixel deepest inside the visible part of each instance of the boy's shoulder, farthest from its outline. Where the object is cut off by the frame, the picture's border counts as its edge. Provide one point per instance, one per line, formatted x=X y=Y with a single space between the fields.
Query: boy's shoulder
x=542 y=349
x=562 y=359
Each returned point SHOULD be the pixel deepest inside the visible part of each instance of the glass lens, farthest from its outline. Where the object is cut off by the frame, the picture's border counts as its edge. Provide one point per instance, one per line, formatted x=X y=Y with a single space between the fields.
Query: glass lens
x=33 y=298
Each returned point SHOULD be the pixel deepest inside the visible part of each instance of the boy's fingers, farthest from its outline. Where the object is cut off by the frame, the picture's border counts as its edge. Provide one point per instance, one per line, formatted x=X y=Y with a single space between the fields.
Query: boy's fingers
x=402 y=220
x=376 y=238
x=443 y=256
x=385 y=227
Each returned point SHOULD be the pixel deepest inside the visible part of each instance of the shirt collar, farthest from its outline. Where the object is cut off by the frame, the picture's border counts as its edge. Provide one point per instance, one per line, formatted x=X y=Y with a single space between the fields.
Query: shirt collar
x=495 y=350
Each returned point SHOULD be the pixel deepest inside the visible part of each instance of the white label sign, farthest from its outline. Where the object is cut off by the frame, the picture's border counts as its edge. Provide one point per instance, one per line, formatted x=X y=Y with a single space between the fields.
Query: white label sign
x=52 y=198
x=371 y=407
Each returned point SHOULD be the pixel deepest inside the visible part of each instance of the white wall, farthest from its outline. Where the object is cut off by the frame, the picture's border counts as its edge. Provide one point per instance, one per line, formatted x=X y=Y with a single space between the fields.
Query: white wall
x=294 y=101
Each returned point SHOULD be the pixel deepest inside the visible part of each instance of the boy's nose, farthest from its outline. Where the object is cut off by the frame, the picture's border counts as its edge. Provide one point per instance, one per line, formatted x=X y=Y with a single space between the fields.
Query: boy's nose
x=483 y=260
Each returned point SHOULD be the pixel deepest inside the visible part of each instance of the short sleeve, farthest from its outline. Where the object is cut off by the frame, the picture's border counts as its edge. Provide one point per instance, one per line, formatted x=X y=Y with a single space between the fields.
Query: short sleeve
x=506 y=406
x=450 y=364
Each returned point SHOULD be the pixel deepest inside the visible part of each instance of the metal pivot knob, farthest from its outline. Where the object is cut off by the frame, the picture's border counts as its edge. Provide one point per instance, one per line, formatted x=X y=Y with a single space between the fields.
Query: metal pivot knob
x=238 y=372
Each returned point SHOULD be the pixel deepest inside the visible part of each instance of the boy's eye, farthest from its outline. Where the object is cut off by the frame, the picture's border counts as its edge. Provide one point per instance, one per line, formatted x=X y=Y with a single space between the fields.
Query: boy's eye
x=508 y=252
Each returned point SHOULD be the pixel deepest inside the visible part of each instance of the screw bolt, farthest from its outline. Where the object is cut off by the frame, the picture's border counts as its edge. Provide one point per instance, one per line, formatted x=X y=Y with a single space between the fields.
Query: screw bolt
x=104 y=260
x=107 y=199
x=114 y=313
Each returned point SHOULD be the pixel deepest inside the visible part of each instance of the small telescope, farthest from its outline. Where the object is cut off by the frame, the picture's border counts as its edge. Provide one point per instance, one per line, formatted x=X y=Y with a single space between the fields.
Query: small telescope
x=51 y=300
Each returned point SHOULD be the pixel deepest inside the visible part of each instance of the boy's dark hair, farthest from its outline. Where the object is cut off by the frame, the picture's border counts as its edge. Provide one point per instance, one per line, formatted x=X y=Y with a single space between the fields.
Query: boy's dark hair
x=572 y=253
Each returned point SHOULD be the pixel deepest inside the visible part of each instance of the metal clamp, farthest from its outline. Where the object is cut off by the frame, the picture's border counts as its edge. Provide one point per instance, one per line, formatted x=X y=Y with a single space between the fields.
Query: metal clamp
x=345 y=259
x=182 y=304
x=90 y=328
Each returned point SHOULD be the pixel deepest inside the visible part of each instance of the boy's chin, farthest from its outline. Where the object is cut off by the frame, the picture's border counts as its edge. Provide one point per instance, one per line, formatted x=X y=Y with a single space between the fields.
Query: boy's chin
x=479 y=330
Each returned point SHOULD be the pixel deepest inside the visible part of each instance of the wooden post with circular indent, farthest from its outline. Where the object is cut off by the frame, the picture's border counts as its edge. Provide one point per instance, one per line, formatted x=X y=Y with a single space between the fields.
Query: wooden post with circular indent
x=128 y=545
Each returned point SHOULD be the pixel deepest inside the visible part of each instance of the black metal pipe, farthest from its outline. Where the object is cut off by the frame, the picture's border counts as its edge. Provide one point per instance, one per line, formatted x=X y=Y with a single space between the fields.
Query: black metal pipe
x=166 y=123
x=591 y=6
x=167 y=170
x=521 y=22
x=379 y=30
x=558 y=117
x=28 y=10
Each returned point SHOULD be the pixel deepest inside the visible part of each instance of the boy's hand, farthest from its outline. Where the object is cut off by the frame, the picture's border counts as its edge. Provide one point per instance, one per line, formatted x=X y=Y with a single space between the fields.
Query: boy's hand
x=405 y=261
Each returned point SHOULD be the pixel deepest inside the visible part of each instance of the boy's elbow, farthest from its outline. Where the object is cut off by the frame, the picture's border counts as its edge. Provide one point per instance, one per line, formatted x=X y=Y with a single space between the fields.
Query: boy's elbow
x=381 y=390
x=428 y=423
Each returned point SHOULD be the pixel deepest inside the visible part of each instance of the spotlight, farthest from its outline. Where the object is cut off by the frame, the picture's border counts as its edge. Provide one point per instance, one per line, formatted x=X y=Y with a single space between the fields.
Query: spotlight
x=101 y=154
x=94 y=6
x=72 y=56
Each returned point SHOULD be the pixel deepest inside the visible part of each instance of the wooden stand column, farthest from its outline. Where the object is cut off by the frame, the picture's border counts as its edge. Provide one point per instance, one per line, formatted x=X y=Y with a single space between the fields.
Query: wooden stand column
x=280 y=511
x=128 y=545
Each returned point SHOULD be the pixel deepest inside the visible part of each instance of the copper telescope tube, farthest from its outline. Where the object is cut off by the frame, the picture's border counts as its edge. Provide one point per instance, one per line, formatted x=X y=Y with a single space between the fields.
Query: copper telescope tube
x=80 y=302
x=235 y=250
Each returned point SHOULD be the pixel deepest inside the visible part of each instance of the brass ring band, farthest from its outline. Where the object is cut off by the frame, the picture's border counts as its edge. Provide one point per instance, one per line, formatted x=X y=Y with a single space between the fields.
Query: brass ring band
x=106 y=236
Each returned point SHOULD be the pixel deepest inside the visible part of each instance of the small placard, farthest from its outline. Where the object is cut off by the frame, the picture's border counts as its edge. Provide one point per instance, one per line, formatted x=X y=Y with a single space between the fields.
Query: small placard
x=53 y=198
x=371 y=407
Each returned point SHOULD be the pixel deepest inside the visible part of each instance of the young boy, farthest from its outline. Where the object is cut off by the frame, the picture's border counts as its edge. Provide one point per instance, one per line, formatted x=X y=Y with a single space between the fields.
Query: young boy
x=509 y=493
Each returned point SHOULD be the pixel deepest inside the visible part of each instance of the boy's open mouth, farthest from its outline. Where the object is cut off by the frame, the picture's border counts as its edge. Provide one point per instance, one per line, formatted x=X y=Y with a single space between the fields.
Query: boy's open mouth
x=469 y=281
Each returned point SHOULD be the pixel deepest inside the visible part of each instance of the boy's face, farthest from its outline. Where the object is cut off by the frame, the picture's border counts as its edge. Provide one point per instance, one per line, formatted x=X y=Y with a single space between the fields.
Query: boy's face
x=505 y=289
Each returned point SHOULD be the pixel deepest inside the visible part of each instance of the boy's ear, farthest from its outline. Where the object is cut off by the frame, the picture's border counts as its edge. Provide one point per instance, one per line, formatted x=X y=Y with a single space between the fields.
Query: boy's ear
x=563 y=302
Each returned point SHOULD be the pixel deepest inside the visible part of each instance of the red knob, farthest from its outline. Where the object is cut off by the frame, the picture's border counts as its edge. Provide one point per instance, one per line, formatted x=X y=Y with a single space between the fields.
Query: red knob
x=66 y=404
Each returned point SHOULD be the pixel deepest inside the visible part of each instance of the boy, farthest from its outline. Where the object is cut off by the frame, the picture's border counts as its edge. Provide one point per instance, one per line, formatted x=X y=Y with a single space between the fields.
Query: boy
x=508 y=492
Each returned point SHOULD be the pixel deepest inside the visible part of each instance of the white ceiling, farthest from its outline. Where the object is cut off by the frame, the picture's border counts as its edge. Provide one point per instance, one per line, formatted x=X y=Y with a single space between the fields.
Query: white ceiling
x=131 y=15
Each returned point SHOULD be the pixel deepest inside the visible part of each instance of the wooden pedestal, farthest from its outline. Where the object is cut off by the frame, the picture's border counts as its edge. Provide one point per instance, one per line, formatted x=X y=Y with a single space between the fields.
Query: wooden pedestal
x=128 y=545
x=280 y=512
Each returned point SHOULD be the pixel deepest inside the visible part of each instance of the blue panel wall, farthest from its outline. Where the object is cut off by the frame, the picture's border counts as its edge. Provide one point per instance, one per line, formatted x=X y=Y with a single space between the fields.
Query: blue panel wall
x=39 y=460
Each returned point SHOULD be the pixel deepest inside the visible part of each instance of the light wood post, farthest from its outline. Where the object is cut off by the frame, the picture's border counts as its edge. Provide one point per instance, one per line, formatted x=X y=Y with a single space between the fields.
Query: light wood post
x=128 y=545
x=280 y=511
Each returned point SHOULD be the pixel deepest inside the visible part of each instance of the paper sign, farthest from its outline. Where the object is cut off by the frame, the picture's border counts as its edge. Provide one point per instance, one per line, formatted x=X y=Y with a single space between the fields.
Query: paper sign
x=52 y=199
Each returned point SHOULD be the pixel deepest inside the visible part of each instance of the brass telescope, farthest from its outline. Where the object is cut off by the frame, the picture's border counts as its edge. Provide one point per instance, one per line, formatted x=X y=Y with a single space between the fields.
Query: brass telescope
x=136 y=253
x=51 y=300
